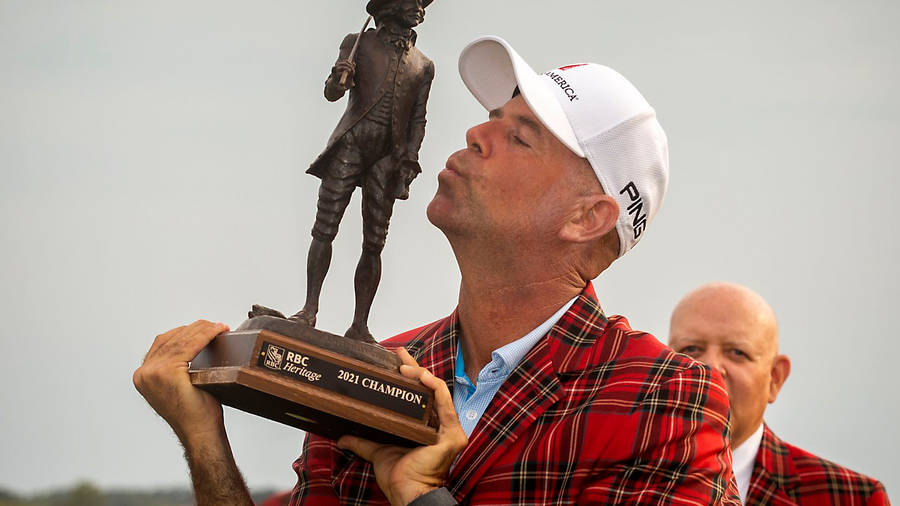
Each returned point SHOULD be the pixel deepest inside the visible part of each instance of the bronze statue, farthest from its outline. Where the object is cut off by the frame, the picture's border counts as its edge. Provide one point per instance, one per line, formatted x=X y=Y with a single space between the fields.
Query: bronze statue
x=375 y=146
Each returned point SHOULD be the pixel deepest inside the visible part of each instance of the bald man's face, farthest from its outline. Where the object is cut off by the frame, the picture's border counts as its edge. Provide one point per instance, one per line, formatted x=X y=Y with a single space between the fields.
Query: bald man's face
x=734 y=332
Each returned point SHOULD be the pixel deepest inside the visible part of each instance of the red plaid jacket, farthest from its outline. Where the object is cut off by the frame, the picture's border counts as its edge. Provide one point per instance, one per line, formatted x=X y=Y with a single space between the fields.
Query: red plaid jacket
x=596 y=413
x=784 y=474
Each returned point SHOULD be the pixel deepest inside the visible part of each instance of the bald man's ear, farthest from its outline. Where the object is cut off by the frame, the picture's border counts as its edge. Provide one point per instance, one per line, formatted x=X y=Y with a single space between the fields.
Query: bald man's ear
x=781 y=369
x=594 y=216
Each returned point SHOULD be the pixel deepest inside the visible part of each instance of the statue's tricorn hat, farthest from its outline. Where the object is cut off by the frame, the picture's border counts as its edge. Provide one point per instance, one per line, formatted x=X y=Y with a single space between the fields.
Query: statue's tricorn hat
x=375 y=5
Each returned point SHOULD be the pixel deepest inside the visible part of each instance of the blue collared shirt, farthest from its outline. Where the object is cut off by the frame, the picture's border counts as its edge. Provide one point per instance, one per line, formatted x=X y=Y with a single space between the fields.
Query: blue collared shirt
x=471 y=400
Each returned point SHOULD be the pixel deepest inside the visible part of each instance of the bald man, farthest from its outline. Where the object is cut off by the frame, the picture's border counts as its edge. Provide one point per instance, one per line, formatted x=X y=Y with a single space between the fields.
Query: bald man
x=733 y=330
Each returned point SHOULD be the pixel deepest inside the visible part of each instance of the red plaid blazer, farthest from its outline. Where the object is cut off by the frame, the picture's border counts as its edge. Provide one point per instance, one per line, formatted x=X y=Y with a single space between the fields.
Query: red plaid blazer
x=784 y=474
x=596 y=413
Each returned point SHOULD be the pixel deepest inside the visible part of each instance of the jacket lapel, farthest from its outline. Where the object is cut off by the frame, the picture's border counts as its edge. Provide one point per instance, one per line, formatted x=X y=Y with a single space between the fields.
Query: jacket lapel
x=774 y=475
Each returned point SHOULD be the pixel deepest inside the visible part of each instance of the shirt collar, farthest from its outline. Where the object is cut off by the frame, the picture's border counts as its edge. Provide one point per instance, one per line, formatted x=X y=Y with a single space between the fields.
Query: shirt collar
x=398 y=40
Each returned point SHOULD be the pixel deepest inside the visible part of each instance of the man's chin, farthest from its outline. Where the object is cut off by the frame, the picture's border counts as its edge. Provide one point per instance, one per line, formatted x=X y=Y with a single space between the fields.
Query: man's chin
x=440 y=214
x=433 y=211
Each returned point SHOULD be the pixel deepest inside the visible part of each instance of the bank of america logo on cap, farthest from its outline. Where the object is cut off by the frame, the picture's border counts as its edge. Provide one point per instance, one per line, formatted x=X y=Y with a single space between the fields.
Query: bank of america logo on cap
x=595 y=112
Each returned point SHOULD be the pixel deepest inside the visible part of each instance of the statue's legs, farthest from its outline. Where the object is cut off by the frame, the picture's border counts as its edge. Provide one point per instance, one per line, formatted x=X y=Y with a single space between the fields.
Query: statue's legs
x=368 y=276
x=377 y=207
x=317 y=263
x=334 y=195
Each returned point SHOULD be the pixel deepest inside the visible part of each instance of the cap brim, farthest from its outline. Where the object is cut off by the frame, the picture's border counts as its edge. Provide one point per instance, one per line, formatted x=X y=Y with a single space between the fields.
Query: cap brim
x=492 y=70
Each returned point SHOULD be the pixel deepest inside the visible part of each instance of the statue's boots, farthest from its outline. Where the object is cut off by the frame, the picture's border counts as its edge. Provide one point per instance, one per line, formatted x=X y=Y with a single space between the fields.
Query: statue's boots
x=303 y=316
x=360 y=333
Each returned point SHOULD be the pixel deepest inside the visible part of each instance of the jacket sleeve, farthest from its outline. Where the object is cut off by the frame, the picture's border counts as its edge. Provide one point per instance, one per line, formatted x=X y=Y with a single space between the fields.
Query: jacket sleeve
x=879 y=497
x=332 y=90
x=437 y=497
x=682 y=454
x=315 y=472
x=327 y=475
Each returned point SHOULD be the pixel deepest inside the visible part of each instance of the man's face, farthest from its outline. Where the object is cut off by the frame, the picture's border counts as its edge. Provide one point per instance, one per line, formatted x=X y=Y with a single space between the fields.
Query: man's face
x=510 y=182
x=411 y=13
x=736 y=339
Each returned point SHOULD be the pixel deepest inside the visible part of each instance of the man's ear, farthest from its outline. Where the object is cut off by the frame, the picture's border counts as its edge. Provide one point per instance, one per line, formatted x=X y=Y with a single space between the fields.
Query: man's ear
x=594 y=216
x=781 y=369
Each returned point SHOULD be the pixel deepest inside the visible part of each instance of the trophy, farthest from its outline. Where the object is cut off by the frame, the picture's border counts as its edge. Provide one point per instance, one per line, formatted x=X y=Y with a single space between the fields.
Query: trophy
x=283 y=368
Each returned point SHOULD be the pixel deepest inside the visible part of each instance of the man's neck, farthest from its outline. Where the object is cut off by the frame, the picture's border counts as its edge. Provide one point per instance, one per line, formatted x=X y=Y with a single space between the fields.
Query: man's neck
x=498 y=305
x=738 y=438
x=390 y=30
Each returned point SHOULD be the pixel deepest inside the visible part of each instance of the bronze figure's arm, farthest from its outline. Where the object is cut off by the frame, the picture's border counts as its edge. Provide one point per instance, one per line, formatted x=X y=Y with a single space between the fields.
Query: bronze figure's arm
x=417 y=120
x=334 y=90
x=409 y=165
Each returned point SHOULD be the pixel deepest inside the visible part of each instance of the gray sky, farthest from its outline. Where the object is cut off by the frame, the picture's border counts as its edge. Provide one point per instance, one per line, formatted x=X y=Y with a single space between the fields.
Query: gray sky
x=153 y=158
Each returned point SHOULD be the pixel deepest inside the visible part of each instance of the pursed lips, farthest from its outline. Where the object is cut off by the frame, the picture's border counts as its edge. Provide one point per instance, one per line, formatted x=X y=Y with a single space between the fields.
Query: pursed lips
x=452 y=167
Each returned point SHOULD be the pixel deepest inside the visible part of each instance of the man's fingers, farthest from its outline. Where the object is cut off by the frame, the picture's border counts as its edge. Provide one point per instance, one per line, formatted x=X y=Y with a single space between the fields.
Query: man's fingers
x=410 y=368
x=196 y=337
x=363 y=447
x=346 y=67
x=163 y=339
x=443 y=401
x=184 y=345
x=450 y=430
x=443 y=398
x=406 y=358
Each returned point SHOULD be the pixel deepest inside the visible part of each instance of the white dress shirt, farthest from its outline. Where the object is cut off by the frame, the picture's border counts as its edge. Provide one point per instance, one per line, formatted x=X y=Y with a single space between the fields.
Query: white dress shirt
x=743 y=457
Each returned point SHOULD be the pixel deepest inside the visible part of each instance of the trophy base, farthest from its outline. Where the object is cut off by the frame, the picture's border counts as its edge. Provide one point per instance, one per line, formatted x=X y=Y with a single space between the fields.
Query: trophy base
x=316 y=381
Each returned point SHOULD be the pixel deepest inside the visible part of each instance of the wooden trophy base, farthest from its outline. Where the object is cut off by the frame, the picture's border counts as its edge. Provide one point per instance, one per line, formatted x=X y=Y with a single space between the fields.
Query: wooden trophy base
x=319 y=382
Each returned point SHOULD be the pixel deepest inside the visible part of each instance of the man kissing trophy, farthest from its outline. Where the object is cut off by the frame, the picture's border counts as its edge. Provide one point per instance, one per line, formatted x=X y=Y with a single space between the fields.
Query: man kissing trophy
x=343 y=384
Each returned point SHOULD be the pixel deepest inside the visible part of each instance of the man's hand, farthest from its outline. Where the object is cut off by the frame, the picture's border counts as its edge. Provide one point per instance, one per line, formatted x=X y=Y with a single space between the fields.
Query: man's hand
x=195 y=416
x=407 y=171
x=345 y=70
x=164 y=381
x=403 y=473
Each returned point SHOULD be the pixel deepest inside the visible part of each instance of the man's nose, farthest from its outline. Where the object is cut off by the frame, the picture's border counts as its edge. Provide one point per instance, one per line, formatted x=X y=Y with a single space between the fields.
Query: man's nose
x=716 y=363
x=713 y=360
x=478 y=139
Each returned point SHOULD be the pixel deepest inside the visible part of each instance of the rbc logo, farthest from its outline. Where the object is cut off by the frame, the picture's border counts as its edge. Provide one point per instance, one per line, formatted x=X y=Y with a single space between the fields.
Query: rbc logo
x=274 y=356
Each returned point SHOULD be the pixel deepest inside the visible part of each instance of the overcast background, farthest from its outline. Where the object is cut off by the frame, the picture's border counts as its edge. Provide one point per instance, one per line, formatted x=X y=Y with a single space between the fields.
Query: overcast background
x=153 y=158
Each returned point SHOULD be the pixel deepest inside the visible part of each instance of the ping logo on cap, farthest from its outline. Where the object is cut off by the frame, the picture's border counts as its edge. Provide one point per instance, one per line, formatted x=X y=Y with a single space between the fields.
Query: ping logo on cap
x=635 y=209
x=567 y=89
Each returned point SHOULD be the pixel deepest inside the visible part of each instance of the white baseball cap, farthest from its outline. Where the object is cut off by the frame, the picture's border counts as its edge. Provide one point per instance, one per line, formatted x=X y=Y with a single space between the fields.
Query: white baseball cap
x=595 y=112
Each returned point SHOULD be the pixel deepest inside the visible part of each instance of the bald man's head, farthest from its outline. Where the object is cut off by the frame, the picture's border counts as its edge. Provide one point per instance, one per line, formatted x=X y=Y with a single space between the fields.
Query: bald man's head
x=733 y=330
x=731 y=307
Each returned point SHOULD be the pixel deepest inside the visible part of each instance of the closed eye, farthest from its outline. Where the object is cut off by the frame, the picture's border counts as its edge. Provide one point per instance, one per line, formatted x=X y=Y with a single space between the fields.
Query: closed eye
x=518 y=140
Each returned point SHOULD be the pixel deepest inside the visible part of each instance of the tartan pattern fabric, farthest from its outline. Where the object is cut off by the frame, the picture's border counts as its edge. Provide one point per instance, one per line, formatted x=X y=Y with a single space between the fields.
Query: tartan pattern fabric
x=595 y=413
x=784 y=474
